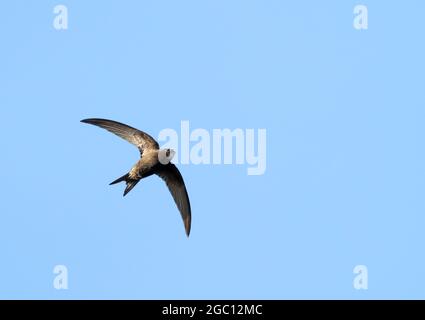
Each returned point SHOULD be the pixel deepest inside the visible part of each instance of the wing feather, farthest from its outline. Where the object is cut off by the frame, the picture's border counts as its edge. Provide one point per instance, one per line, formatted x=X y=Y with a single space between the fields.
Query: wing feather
x=136 y=137
x=174 y=180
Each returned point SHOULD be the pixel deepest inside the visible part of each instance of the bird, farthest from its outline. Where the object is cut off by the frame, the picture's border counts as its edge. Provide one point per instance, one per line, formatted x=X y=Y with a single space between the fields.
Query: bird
x=153 y=160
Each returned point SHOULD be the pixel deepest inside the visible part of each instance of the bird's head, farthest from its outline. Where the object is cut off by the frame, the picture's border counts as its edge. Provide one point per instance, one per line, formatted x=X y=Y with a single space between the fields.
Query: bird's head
x=166 y=155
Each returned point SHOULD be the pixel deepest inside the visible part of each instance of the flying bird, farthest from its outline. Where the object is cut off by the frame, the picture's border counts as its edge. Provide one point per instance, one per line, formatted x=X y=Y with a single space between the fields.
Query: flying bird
x=152 y=161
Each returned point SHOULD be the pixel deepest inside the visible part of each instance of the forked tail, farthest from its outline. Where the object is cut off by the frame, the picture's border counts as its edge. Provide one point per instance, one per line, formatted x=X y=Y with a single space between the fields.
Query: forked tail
x=131 y=183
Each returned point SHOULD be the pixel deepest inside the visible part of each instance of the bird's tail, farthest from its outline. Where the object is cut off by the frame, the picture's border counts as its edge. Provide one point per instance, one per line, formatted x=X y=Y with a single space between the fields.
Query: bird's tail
x=131 y=183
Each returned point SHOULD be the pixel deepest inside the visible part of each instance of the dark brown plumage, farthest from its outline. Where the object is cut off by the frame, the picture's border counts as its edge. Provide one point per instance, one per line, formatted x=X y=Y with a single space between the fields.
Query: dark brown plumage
x=153 y=161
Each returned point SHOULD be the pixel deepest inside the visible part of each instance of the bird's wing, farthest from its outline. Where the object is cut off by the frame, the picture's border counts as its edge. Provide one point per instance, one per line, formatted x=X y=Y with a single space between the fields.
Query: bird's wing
x=136 y=137
x=174 y=180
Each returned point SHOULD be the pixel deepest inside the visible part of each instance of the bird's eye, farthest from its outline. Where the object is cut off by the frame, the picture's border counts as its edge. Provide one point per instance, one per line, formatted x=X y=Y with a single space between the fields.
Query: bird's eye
x=168 y=152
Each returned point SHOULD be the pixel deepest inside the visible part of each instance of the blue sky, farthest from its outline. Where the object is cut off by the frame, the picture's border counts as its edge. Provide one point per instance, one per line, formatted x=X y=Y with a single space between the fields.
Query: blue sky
x=344 y=184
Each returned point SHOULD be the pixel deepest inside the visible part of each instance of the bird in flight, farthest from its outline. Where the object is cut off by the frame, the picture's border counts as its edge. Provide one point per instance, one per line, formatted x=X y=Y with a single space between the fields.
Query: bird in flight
x=152 y=161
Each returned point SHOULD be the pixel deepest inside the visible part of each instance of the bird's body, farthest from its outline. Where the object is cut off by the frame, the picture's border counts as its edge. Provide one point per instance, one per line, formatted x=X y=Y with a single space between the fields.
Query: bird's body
x=152 y=161
x=144 y=165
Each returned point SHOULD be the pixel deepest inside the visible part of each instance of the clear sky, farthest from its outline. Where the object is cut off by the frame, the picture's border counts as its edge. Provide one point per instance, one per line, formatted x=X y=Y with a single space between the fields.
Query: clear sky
x=344 y=184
